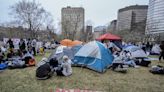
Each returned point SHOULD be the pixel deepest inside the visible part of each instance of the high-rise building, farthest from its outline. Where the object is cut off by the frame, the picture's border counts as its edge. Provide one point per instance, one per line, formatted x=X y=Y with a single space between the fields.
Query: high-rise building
x=99 y=30
x=112 y=26
x=155 y=17
x=72 y=18
x=89 y=35
x=129 y=16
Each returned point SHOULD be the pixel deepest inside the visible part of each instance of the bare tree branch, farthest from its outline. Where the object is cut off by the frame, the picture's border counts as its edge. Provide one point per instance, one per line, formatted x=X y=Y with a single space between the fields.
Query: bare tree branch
x=31 y=15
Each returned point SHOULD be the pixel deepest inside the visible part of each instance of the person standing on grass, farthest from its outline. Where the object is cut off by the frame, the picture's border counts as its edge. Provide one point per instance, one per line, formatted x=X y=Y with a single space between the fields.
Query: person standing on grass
x=11 y=45
x=29 y=45
x=162 y=51
x=22 y=45
x=33 y=44
x=1 y=56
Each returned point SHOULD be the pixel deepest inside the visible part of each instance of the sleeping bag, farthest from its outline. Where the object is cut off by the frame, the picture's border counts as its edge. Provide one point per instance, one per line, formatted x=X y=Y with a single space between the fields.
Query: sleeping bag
x=16 y=63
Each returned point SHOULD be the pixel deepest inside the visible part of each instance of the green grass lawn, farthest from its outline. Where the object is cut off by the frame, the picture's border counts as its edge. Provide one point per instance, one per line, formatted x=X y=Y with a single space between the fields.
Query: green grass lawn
x=135 y=80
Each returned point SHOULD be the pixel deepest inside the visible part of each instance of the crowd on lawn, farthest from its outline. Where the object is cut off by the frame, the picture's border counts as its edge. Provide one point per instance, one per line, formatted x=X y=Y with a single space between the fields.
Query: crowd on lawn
x=24 y=56
x=18 y=57
x=122 y=60
x=124 y=57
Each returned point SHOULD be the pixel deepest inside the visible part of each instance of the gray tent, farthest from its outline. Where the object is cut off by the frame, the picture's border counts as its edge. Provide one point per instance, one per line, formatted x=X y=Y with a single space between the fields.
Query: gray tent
x=60 y=51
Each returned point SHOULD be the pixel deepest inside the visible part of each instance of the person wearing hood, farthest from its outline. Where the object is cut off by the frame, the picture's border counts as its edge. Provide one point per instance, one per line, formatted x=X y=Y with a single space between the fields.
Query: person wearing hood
x=66 y=67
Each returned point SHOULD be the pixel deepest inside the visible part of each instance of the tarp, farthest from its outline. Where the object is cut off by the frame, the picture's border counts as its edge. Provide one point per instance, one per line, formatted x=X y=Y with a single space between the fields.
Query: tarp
x=66 y=42
x=95 y=56
x=109 y=36
x=135 y=51
x=76 y=42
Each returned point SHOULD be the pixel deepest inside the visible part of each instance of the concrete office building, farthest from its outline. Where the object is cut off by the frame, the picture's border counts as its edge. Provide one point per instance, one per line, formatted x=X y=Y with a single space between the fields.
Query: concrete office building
x=72 y=18
x=98 y=31
x=112 y=26
x=131 y=15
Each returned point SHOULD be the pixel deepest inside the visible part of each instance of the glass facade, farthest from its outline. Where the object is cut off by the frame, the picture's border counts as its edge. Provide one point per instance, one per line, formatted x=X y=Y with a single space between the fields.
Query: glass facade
x=155 y=17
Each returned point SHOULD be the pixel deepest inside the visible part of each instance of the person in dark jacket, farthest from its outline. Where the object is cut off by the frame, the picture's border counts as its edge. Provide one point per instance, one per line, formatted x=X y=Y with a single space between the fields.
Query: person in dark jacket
x=22 y=45
x=1 y=56
x=162 y=51
x=29 y=46
x=11 y=45
x=46 y=68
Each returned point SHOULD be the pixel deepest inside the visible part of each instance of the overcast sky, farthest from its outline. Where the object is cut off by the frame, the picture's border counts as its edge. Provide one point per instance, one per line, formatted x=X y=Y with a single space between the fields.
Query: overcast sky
x=100 y=12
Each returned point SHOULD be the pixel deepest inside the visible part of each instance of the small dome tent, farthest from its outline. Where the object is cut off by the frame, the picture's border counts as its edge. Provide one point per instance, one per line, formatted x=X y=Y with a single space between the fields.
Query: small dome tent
x=95 y=56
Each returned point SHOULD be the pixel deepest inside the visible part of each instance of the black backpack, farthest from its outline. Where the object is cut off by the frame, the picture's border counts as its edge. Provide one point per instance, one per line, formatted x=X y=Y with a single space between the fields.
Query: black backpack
x=143 y=62
x=157 y=70
x=53 y=62
x=44 y=71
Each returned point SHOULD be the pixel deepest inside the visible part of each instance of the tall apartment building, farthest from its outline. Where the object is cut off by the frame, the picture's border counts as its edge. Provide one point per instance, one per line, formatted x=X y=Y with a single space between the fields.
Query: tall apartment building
x=155 y=17
x=72 y=19
x=131 y=15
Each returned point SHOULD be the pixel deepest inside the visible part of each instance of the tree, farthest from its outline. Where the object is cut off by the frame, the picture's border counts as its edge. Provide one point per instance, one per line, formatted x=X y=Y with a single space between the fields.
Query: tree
x=70 y=26
x=50 y=27
x=66 y=29
x=29 y=14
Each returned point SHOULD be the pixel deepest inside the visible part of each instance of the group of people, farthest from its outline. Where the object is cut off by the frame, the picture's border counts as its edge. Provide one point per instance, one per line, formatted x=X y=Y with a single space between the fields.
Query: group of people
x=147 y=47
x=123 y=57
x=29 y=45
x=18 y=58
x=11 y=49
x=47 y=67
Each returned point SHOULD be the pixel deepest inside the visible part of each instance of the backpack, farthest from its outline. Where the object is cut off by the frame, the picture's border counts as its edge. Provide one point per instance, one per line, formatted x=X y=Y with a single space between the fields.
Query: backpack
x=44 y=72
x=143 y=62
x=53 y=62
x=157 y=69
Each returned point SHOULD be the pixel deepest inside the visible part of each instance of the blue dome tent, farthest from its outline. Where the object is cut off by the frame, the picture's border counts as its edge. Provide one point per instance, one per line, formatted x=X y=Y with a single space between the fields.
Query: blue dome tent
x=95 y=56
